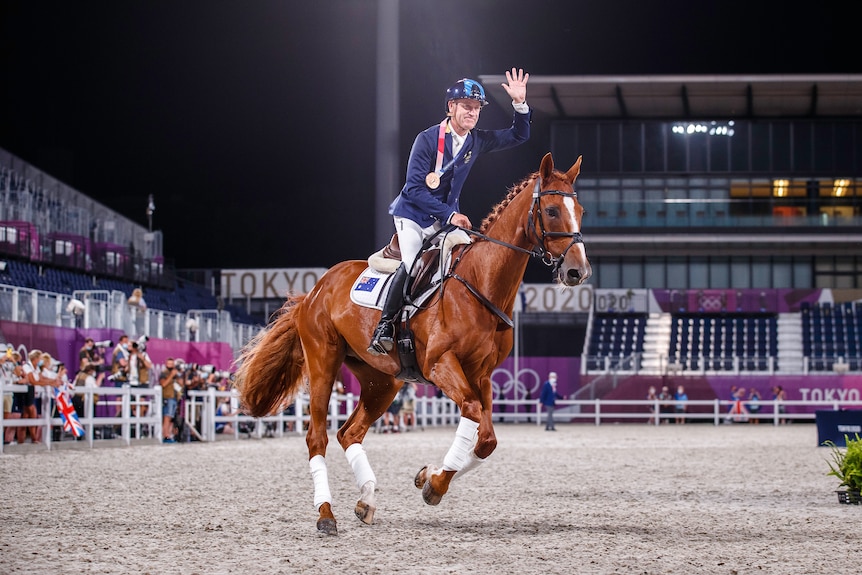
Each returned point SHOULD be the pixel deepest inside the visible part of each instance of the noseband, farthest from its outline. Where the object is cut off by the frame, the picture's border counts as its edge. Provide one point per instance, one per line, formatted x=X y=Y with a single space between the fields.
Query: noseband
x=541 y=251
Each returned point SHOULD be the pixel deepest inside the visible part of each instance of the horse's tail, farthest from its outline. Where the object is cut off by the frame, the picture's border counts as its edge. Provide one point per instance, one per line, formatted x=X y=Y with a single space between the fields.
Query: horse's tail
x=270 y=365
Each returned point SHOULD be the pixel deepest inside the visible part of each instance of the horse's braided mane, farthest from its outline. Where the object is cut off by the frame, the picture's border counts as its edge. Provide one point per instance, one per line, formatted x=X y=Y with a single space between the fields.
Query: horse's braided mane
x=498 y=209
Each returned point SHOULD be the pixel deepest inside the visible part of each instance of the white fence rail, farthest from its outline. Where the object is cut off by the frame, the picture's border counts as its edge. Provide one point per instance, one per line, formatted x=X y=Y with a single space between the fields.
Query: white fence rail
x=201 y=416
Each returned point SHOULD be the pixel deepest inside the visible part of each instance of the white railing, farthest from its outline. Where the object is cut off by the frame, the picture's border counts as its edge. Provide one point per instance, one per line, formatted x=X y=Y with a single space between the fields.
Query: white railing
x=108 y=310
x=124 y=401
x=201 y=418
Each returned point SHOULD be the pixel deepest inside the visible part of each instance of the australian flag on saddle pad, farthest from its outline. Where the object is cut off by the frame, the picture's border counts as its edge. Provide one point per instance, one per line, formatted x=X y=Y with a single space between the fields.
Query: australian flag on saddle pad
x=67 y=412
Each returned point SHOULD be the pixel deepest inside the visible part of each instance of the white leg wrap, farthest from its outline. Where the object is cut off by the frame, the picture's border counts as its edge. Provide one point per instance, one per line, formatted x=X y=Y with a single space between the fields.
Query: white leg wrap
x=358 y=461
x=465 y=439
x=472 y=463
x=321 y=481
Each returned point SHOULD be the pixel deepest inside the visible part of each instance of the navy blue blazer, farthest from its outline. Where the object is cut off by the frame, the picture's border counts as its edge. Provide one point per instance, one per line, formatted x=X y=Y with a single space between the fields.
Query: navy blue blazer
x=423 y=205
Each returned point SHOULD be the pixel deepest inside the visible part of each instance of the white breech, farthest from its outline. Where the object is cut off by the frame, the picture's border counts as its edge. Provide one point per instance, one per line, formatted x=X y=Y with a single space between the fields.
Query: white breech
x=321 y=481
x=461 y=457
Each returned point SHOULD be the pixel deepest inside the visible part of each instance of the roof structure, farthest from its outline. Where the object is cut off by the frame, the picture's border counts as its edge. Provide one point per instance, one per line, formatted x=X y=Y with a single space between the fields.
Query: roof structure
x=690 y=97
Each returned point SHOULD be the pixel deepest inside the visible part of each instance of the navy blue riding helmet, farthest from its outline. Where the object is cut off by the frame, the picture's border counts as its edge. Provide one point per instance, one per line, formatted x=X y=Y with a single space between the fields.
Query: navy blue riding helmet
x=466 y=88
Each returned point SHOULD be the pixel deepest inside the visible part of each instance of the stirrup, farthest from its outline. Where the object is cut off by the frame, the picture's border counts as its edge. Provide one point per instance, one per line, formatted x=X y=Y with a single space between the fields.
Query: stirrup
x=382 y=343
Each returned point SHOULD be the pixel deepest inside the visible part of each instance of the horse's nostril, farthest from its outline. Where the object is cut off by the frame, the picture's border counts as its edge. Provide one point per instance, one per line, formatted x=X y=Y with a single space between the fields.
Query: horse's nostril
x=573 y=273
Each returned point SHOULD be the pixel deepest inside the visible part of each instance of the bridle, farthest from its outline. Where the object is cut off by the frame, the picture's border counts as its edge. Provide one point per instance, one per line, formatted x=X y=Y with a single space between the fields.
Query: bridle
x=540 y=251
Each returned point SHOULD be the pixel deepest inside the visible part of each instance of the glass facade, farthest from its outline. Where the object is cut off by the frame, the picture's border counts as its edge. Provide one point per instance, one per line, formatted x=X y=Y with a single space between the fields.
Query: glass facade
x=775 y=176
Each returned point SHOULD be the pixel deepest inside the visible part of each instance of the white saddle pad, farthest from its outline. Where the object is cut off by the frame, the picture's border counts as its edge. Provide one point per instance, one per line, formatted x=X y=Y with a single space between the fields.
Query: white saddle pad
x=372 y=285
x=370 y=288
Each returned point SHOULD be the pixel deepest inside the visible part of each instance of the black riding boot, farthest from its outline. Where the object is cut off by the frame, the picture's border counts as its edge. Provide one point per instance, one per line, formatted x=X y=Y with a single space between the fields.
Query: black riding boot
x=383 y=339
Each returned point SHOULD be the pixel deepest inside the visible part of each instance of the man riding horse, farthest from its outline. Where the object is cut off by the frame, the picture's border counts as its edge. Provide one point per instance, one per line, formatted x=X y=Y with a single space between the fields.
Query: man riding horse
x=440 y=159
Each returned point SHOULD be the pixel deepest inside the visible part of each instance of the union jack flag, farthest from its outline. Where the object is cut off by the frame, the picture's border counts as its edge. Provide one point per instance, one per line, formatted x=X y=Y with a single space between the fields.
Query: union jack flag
x=67 y=412
x=366 y=283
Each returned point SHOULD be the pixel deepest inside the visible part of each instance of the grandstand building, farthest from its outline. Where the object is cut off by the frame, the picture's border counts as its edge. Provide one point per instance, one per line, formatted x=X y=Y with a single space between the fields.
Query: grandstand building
x=724 y=226
x=69 y=266
x=713 y=182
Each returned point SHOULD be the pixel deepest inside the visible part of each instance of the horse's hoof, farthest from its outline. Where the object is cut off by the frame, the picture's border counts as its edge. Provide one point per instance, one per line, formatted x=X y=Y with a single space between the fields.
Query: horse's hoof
x=419 y=480
x=327 y=526
x=365 y=512
x=428 y=494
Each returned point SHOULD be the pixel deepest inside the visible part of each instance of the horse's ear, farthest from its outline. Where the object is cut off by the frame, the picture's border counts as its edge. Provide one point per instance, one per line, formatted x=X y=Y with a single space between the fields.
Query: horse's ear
x=547 y=166
x=573 y=172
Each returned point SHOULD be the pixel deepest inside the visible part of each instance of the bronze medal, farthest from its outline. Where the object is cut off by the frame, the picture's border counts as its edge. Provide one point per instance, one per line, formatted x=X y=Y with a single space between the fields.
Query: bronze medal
x=432 y=180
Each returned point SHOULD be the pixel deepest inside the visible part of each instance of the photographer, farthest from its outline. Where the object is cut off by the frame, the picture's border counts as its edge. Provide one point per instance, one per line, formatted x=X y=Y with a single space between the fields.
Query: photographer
x=91 y=354
x=196 y=380
x=140 y=365
x=171 y=380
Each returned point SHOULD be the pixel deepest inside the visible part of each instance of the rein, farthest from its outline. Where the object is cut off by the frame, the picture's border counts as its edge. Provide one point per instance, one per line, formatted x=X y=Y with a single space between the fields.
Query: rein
x=539 y=251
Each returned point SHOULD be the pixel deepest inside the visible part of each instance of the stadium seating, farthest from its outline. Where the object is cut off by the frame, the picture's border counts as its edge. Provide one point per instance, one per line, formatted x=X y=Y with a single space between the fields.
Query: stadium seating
x=184 y=297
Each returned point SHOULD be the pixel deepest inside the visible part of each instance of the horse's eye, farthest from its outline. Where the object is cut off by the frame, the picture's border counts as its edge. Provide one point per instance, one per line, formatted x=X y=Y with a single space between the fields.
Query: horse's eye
x=552 y=212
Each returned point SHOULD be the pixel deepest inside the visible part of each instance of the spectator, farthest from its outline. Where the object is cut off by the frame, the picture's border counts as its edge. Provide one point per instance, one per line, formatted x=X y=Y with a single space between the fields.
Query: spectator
x=681 y=398
x=391 y=416
x=89 y=354
x=31 y=373
x=548 y=399
x=737 y=412
x=754 y=405
x=338 y=391
x=665 y=404
x=10 y=376
x=195 y=380
x=779 y=396
x=85 y=378
x=408 y=405
x=224 y=409
x=55 y=375
x=171 y=388
x=136 y=300
x=652 y=397
x=120 y=360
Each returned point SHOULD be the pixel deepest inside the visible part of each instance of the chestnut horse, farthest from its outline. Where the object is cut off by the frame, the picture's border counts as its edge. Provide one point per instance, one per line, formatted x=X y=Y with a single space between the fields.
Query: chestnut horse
x=459 y=340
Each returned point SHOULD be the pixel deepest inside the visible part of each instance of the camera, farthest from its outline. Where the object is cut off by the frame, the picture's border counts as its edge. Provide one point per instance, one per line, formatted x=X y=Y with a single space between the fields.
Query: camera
x=180 y=364
x=104 y=344
x=141 y=343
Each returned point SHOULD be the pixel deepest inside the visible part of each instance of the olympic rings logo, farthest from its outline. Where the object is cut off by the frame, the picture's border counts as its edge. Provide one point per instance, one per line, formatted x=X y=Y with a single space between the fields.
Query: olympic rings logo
x=505 y=384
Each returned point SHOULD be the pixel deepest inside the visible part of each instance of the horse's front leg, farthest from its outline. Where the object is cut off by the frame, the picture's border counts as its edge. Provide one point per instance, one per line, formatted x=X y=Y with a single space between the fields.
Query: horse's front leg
x=473 y=444
x=474 y=437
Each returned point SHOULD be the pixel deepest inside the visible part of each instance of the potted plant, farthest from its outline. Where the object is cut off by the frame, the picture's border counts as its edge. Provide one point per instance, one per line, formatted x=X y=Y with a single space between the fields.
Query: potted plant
x=846 y=465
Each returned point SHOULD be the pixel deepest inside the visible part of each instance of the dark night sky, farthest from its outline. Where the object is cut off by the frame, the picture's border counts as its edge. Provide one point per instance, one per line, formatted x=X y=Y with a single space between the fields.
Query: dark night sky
x=253 y=123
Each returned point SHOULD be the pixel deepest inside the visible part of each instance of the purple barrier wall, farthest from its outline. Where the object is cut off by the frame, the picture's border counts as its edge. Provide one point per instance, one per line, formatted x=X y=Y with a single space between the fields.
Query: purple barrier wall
x=64 y=344
x=729 y=300
x=797 y=388
x=532 y=373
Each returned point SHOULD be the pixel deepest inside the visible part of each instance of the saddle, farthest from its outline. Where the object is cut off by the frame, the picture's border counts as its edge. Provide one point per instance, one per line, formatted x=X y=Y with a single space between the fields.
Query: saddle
x=388 y=259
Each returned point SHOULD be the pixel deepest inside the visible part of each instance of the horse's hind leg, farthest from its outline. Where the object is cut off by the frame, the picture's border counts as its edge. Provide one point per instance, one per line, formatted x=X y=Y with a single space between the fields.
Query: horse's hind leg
x=322 y=496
